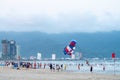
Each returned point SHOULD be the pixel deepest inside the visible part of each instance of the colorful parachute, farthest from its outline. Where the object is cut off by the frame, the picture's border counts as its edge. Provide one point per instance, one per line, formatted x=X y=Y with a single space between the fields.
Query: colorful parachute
x=69 y=49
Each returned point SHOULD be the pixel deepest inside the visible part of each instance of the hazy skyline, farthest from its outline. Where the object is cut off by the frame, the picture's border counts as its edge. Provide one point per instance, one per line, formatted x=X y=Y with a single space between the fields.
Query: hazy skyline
x=57 y=16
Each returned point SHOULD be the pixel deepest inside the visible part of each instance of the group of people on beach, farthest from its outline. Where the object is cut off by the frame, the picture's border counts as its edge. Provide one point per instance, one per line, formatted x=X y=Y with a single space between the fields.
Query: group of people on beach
x=52 y=66
x=35 y=65
x=91 y=66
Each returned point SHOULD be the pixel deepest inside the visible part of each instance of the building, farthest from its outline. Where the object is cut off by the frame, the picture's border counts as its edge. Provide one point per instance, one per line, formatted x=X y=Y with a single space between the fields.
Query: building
x=12 y=51
x=9 y=49
x=39 y=55
x=73 y=56
x=5 y=49
x=53 y=56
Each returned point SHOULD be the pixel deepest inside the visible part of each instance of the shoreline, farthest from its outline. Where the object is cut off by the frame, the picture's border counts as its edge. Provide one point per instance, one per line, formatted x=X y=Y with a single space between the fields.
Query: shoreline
x=98 y=67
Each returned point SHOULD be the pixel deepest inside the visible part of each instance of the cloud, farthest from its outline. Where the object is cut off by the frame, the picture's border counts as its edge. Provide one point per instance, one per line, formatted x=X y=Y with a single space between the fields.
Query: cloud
x=53 y=16
x=63 y=23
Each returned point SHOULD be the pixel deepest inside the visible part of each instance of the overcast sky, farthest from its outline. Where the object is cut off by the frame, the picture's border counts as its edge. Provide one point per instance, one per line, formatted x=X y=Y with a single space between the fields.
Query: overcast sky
x=58 y=16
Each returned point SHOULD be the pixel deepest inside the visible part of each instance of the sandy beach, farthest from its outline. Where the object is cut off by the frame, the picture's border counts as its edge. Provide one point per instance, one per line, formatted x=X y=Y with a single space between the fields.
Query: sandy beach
x=45 y=74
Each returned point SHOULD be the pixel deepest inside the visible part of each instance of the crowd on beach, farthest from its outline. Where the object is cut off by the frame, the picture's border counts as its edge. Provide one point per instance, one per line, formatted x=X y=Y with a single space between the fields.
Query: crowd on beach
x=34 y=65
x=52 y=66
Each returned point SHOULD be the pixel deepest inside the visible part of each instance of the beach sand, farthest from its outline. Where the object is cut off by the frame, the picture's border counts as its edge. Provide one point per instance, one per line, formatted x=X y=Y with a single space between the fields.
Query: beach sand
x=45 y=74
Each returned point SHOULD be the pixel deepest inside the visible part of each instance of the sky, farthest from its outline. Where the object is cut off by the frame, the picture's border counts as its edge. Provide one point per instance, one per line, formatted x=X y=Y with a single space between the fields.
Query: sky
x=60 y=16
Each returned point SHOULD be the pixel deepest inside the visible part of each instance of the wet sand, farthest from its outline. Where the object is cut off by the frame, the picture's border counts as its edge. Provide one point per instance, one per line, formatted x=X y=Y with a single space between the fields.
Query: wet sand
x=45 y=74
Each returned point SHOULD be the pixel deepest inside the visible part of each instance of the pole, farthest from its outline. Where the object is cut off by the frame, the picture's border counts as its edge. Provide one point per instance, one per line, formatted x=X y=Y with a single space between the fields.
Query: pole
x=18 y=56
x=114 y=67
x=113 y=57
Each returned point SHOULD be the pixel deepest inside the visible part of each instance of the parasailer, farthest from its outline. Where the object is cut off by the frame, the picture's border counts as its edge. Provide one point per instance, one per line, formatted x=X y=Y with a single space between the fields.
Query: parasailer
x=69 y=49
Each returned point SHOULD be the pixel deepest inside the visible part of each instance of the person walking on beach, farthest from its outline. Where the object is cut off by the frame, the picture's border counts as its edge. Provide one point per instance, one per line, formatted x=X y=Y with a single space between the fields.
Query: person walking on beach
x=61 y=67
x=91 y=69
x=40 y=65
x=34 y=65
x=51 y=67
x=103 y=68
x=87 y=62
x=78 y=66
x=57 y=67
x=65 y=66
x=44 y=65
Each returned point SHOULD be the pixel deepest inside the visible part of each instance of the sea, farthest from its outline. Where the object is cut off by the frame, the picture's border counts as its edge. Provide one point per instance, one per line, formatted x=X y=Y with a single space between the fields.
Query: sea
x=111 y=66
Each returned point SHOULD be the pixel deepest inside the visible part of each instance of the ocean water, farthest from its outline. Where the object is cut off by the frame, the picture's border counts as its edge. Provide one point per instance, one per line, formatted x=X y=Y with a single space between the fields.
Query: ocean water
x=111 y=66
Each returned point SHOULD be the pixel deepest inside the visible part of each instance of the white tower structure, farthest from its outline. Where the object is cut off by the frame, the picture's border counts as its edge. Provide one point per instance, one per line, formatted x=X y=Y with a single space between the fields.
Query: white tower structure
x=73 y=56
x=18 y=53
x=53 y=56
x=39 y=55
x=18 y=56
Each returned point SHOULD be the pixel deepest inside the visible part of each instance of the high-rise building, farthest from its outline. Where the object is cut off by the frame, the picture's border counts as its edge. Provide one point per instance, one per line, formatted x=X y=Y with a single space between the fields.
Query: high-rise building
x=5 y=48
x=9 y=49
x=13 y=50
